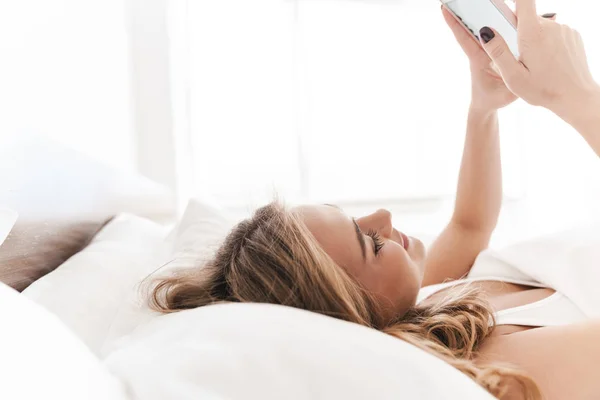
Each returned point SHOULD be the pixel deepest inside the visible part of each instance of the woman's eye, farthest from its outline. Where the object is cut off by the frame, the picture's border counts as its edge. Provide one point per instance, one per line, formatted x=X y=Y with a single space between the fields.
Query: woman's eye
x=377 y=241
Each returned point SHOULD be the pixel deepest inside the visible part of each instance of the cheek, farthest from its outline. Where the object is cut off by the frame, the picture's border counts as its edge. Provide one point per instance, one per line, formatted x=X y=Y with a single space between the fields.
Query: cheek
x=399 y=264
x=400 y=279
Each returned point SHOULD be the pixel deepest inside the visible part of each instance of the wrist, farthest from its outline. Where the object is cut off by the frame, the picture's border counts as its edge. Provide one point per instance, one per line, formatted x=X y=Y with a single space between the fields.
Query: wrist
x=582 y=109
x=482 y=112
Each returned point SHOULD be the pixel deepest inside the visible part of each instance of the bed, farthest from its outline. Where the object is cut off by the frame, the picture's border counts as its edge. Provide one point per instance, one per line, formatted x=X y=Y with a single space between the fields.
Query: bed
x=85 y=240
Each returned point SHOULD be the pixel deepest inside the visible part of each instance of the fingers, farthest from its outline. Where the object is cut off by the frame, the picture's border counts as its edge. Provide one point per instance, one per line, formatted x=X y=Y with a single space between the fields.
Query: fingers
x=466 y=41
x=495 y=46
x=527 y=11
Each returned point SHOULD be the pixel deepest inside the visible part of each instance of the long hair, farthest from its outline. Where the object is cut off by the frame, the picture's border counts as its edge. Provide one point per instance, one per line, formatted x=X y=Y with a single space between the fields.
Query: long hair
x=273 y=258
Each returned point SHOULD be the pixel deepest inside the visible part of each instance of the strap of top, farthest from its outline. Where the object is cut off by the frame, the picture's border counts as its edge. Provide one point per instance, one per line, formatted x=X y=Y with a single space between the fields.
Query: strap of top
x=433 y=289
x=551 y=311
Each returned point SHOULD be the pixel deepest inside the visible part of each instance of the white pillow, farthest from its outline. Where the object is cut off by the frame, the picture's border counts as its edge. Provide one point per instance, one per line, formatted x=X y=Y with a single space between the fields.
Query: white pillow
x=260 y=351
x=8 y=218
x=200 y=231
x=73 y=186
x=87 y=291
x=41 y=359
x=193 y=241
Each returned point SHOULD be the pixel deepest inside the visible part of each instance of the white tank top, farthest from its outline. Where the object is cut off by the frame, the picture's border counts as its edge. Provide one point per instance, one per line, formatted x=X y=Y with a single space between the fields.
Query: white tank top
x=554 y=310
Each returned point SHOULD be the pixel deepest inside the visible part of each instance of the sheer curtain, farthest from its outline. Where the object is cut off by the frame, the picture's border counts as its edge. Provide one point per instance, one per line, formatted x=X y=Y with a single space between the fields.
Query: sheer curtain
x=561 y=174
x=346 y=101
x=356 y=102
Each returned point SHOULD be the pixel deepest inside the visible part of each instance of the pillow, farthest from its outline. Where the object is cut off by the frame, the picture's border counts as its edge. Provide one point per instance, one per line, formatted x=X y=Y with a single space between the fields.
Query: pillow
x=43 y=179
x=200 y=231
x=193 y=241
x=7 y=221
x=260 y=351
x=41 y=359
x=87 y=290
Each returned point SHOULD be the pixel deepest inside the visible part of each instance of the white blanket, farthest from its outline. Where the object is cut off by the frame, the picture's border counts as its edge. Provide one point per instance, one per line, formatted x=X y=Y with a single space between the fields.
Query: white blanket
x=568 y=262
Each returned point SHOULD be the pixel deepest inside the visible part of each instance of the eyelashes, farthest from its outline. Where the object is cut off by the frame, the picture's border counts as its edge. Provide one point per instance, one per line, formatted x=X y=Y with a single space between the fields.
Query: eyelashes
x=377 y=241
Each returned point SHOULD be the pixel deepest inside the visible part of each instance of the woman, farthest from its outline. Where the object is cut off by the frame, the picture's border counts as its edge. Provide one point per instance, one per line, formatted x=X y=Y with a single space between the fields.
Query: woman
x=363 y=270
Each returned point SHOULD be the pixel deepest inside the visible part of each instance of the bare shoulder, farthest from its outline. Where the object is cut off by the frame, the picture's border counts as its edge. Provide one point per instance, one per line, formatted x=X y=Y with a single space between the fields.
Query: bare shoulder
x=562 y=360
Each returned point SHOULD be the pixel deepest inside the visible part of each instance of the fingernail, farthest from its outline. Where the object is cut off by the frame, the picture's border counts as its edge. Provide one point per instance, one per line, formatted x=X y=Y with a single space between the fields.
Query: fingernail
x=486 y=34
x=549 y=15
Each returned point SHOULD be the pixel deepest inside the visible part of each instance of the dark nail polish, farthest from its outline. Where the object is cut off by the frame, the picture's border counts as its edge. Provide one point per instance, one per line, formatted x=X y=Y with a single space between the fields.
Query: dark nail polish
x=549 y=15
x=487 y=34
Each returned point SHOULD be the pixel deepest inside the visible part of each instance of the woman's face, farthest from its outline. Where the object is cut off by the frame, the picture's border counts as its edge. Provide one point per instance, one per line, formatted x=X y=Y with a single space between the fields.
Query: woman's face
x=385 y=261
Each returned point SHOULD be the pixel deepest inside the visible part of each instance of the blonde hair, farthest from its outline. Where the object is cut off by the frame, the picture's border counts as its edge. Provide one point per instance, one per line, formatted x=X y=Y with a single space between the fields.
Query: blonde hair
x=274 y=258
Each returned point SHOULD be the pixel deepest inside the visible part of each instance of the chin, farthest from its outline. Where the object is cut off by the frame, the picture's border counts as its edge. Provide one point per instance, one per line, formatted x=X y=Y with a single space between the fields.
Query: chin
x=416 y=251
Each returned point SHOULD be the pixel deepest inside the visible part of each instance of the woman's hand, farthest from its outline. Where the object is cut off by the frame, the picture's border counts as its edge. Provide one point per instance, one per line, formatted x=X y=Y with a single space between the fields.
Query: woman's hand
x=489 y=92
x=553 y=71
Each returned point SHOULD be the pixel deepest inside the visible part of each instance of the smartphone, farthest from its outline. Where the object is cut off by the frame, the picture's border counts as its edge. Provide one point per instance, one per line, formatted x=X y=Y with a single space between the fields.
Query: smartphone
x=496 y=14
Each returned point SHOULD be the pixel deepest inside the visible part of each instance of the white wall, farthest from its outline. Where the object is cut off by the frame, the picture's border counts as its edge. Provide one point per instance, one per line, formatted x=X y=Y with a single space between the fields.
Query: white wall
x=65 y=72
x=93 y=74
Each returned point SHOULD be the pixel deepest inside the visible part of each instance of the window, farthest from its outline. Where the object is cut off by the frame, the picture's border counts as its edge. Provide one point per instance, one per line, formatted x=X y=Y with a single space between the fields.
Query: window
x=356 y=102
x=327 y=99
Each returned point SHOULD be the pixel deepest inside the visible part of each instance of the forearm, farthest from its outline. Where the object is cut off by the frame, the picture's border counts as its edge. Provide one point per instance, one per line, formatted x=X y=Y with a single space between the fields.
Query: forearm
x=478 y=202
x=584 y=116
x=479 y=193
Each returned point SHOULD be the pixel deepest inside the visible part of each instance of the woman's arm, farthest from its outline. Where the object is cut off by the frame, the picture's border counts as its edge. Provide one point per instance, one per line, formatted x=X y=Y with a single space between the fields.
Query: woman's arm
x=553 y=71
x=586 y=119
x=479 y=192
x=478 y=202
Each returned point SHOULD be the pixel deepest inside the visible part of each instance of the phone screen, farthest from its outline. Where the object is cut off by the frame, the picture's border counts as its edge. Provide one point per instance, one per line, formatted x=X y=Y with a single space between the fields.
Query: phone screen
x=479 y=13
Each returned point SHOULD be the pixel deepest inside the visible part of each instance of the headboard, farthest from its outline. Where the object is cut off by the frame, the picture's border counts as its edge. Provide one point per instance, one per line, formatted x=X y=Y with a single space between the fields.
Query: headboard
x=63 y=198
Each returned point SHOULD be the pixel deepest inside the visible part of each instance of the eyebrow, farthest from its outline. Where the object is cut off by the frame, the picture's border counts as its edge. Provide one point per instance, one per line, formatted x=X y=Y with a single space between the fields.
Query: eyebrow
x=359 y=234
x=361 y=240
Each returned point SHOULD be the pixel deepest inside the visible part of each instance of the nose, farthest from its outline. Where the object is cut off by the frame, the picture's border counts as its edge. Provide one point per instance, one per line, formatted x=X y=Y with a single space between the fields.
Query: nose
x=379 y=221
